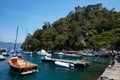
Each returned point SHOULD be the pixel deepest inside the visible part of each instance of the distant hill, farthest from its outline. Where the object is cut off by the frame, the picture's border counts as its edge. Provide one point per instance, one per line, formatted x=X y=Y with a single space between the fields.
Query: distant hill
x=9 y=45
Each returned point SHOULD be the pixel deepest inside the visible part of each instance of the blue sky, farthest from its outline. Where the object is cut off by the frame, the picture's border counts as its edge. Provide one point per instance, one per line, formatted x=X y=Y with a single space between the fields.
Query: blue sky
x=31 y=14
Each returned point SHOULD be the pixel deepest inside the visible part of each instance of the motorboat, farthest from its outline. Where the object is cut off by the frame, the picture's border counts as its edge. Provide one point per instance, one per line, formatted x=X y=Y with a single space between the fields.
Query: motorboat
x=60 y=53
x=44 y=53
x=88 y=54
x=22 y=66
x=4 y=52
x=28 y=52
x=2 y=57
x=72 y=55
x=17 y=55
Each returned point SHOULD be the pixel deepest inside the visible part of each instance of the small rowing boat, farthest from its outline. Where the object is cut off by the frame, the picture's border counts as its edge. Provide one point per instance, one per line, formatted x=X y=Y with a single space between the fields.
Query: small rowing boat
x=22 y=66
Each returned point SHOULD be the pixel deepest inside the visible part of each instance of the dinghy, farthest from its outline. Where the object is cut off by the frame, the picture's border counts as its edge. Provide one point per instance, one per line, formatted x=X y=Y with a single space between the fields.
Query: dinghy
x=22 y=66
x=64 y=64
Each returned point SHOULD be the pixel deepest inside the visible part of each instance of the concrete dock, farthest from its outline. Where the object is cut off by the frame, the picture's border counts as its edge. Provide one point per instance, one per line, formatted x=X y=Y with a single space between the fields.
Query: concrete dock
x=77 y=63
x=111 y=72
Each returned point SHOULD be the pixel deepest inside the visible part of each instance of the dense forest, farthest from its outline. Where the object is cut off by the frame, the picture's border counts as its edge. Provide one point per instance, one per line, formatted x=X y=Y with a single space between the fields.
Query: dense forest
x=76 y=31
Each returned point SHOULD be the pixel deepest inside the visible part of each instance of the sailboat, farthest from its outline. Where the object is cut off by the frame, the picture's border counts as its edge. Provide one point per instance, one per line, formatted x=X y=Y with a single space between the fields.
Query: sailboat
x=16 y=54
x=26 y=45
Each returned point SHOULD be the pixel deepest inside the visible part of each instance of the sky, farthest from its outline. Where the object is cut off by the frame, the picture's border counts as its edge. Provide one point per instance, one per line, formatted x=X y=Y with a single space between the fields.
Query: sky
x=30 y=15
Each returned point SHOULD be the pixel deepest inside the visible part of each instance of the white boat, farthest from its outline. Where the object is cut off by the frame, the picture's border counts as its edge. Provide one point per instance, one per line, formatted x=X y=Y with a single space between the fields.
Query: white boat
x=2 y=57
x=17 y=55
x=60 y=53
x=88 y=54
x=43 y=53
x=45 y=58
x=72 y=55
x=4 y=52
x=28 y=52
x=64 y=64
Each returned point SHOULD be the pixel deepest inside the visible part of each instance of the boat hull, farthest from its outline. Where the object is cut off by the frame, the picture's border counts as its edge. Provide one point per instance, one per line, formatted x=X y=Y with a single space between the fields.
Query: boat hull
x=5 y=54
x=24 y=70
x=64 y=64
x=22 y=66
x=2 y=59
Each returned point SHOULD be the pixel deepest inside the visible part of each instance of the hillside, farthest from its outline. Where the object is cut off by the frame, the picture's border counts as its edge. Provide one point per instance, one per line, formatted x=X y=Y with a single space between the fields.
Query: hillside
x=9 y=45
x=88 y=28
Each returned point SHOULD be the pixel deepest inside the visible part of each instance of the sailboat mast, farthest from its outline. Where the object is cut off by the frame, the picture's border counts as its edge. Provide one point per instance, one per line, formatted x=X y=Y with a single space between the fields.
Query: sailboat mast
x=16 y=38
x=26 y=40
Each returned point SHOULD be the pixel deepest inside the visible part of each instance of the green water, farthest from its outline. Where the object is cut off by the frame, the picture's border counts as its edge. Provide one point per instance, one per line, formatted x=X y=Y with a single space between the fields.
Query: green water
x=50 y=71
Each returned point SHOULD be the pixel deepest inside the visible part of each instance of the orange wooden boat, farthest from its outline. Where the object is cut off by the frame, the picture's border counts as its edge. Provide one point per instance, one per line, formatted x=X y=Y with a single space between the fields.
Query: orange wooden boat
x=22 y=66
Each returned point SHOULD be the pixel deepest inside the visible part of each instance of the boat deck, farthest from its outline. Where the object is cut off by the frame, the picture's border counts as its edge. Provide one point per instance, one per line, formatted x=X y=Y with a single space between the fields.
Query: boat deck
x=75 y=62
x=21 y=63
x=22 y=66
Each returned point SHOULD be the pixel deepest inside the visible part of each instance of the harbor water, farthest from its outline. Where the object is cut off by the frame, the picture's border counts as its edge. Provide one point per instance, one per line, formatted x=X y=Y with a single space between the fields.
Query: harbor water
x=50 y=71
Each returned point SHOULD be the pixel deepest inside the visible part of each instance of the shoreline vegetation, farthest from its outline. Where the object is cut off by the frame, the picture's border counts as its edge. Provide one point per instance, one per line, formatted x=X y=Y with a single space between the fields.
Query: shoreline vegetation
x=79 y=30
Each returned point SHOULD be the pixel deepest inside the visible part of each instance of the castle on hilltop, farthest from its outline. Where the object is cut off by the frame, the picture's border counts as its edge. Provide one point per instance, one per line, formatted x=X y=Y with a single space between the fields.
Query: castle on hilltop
x=97 y=7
